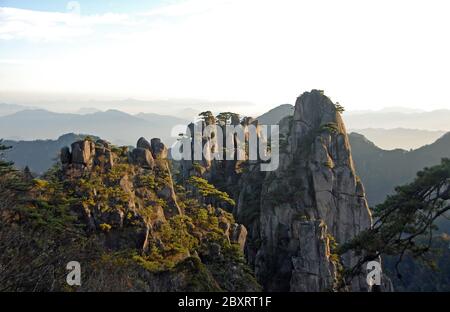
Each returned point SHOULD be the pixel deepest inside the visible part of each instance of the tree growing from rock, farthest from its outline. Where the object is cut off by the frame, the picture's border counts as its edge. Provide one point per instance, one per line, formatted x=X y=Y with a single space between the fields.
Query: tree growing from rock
x=405 y=222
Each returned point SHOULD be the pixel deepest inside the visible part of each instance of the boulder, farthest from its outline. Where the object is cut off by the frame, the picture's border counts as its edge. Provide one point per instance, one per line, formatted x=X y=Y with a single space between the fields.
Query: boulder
x=65 y=155
x=239 y=235
x=143 y=158
x=83 y=152
x=159 y=149
x=103 y=155
x=143 y=143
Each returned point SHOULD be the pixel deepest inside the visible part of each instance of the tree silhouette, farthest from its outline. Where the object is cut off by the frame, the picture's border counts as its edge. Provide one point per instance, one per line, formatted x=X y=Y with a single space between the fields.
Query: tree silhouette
x=405 y=222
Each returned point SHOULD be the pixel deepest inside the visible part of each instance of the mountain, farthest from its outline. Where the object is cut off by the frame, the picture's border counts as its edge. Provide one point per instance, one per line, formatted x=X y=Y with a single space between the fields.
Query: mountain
x=188 y=113
x=117 y=212
x=390 y=128
x=155 y=230
x=381 y=170
x=294 y=213
x=161 y=120
x=407 y=139
x=87 y=110
x=312 y=197
x=434 y=120
x=113 y=125
x=274 y=116
x=38 y=155
x=8 y=109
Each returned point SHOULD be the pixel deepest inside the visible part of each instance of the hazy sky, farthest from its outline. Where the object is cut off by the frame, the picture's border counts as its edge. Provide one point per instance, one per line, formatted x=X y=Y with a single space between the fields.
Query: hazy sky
x=364 y=54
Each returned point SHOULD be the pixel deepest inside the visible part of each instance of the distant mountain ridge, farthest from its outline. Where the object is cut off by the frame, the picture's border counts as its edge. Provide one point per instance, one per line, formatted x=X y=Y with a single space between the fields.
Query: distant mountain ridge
x=274 y=116
x=113 y=125
x=7 y=109
x=388 y=118
x=381 y=170
x=39 y=155
x=407 y=139
x=388 y=128
x=433 y=120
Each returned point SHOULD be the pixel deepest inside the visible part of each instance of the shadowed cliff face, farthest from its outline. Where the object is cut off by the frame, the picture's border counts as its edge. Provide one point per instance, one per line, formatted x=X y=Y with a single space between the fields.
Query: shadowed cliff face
x=295 y=214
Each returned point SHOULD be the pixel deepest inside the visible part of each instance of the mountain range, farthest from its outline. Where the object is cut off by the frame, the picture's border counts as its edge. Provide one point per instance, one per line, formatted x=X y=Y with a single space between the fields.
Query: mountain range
x=399 y=138
x=389 y=129
x=386 y=158
x=38 y=155
x=388 y=118
x=8 y=109
x=392 y=129
x=128 y=200
x=433 y=120
x=381 y=170
x=113 y=125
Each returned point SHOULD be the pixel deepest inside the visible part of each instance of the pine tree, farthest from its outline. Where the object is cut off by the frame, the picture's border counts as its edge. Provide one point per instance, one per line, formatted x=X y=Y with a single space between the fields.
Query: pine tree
x=405 y=222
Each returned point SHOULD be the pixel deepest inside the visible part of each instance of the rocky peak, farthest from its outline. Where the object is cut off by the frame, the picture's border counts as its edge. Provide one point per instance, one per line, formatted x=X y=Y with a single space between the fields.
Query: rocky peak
x=315 y=109
x=143 y=143
x=159 y=149
x=84 y=154
x=314 y=197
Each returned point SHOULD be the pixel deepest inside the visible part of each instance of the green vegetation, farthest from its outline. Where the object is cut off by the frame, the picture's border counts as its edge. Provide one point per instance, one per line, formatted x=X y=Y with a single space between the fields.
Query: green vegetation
x=405 y=223
x=97 y=217
x=330 y=164
x=208 y=190
x=339 y=108
x=226 y=117
x=207 y=117
x=430 y=275
x=331 y=127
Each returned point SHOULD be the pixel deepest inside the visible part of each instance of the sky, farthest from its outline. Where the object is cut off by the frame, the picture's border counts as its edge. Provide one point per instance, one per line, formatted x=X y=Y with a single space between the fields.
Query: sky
x=365 y=54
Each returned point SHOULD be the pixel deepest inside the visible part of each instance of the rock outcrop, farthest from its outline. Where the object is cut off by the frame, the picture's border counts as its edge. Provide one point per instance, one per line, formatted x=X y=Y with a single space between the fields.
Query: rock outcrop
x=239 y=235
x=159 y=150
x=142 y=157
x=123 y=220
x=86 y=157
x=313 y=197
x=144 y=144
x=85 y=154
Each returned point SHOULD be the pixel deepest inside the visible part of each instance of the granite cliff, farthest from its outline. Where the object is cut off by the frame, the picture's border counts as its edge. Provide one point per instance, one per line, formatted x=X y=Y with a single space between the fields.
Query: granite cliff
x=311 y=203
x=298 y=215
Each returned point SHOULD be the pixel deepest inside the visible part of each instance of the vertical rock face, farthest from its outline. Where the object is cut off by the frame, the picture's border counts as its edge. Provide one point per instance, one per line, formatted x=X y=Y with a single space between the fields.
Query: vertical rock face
x=312 y=198
x=83 y=152
x=312 y=269
x=154 y=156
